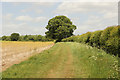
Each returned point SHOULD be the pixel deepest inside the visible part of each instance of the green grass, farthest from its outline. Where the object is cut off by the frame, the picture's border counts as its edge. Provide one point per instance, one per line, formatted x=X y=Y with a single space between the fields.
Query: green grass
x=66 y=60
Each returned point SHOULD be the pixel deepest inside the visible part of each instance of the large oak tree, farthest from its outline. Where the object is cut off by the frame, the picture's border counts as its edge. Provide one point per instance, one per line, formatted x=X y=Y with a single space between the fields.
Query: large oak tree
x=60 y=27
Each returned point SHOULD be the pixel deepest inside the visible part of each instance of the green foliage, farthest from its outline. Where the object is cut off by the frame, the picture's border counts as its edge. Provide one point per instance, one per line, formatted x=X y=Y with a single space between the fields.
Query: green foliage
x=113 y=46
x=21 y=38
x=14 y=37
x=115 y=32
x=60 y=27
x=69 y=39
x=28 y=38
x=4 y=38
x=105 y=35
x=34 y=38
x=0 y=38
x=113 y=43
x=8 y=38
x=95 y=37
x=108 y=39
x=86 y=38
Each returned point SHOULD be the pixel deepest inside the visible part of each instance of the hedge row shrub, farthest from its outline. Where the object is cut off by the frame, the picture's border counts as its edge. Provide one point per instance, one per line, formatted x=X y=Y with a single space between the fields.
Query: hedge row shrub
x=95 y=38
x=107 y=39
x=105 y=35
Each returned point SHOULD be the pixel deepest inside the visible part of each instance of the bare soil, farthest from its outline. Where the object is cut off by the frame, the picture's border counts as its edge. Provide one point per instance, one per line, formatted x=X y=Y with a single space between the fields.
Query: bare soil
x=9 y=60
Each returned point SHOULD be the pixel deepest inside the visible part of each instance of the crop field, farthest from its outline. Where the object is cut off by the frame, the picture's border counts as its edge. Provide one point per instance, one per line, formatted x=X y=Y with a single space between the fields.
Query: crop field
x=64 y=60
x=14 y=52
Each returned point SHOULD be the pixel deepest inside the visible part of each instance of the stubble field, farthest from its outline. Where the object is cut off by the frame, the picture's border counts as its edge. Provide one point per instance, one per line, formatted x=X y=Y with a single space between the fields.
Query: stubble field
x=15 y=52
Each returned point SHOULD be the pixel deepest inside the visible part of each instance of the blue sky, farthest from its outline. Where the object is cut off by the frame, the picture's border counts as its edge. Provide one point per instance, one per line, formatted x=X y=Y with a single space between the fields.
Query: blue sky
x=32 y=17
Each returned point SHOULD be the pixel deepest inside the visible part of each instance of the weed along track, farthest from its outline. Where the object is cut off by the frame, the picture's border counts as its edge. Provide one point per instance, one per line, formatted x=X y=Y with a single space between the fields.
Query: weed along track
x=65 y=60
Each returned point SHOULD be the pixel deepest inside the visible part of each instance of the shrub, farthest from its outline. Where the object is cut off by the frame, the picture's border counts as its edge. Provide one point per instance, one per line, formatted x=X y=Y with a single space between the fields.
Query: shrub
x=8 y=38
x=86 y=38
x=105 y=35
x=4 y=38
x=95 y=38
x=113 y=43
x=115 y=32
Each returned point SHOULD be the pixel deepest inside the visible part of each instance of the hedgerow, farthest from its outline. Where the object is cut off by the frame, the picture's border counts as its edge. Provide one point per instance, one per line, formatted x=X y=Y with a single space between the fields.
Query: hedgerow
x=105 y=35
x=95 y=38
x=107 y=39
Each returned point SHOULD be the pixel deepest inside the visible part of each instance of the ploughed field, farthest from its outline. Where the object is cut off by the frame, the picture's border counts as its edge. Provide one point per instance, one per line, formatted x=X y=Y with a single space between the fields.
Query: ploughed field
x=13 y=52
x=66 y=60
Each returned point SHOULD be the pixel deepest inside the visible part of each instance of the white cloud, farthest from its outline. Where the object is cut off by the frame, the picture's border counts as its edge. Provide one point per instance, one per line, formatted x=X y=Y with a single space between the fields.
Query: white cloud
x=24 y=18
x=20 y=25
x=32 y=9
x=40 y=19
x=94 y=23
x=7 y=16
x=38 y=11
x=46 y=4
x=111 y=15
x=98 y=15
x=84 y=7
x=92 y=20
x=16 y=3
x=22 y=28
x=35 y=7
x=31 y=19
x=24 y=10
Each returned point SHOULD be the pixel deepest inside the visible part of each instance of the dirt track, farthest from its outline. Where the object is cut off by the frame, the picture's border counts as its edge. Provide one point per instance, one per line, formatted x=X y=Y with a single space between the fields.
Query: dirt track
x=8 y=61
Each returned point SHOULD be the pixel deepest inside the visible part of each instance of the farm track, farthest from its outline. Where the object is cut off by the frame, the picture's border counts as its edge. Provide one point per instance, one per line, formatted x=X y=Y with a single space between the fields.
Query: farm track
x=17 y=58
x=63 y=67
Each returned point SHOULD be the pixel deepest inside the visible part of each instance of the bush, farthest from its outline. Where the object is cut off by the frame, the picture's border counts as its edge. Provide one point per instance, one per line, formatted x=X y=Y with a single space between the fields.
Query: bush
x=113 y=46
x=105 y=35
x=4 y=38
x=86 y=38
x=70 y=39
x=113 y=43
x=95 y=38
x=115 y=32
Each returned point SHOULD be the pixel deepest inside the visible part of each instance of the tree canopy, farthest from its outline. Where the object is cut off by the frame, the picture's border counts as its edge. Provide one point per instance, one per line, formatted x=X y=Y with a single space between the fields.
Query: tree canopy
x=14 y=37
x=59 y=27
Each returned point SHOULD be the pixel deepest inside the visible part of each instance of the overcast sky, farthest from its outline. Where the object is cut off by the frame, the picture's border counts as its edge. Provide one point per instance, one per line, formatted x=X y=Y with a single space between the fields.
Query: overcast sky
x=32 y=17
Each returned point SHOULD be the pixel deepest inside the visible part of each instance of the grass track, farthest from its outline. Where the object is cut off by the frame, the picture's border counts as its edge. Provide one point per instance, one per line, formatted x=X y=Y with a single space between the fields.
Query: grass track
x=66 y=60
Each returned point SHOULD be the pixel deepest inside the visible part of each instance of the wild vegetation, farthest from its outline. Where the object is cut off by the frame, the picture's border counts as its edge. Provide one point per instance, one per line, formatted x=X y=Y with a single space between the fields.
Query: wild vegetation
x=107 y=39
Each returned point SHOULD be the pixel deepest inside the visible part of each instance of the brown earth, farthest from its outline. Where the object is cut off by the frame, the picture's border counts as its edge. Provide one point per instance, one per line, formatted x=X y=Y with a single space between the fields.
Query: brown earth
x=9 y=60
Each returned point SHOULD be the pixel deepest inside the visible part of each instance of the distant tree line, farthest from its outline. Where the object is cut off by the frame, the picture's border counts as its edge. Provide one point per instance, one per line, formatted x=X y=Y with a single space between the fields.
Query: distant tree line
x=107 y=39
x=17 y=37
